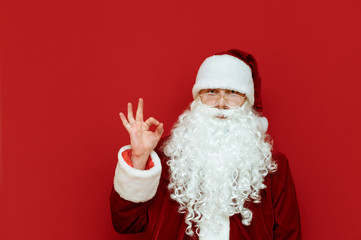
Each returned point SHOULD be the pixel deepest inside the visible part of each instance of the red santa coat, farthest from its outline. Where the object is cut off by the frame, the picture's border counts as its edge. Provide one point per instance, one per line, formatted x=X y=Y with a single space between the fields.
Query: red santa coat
x=276 y=217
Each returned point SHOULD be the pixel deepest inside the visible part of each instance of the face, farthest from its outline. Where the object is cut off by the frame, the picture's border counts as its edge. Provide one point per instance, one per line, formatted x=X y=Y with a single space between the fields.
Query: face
x=222 y=98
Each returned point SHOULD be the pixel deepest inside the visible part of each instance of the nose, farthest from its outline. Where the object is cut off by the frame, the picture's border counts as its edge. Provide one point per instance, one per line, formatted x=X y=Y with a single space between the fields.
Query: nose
x=221 y=103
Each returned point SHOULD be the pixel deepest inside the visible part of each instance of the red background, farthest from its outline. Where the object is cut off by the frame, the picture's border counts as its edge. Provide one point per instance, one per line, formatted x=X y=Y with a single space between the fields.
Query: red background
x=68 y=68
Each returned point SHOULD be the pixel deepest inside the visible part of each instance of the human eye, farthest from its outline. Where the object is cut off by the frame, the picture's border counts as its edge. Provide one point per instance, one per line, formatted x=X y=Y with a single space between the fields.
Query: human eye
x=232 y=92
x=211 y=91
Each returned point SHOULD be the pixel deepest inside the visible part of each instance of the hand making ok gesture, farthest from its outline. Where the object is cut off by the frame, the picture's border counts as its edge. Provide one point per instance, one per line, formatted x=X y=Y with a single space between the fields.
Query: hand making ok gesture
x=142 y=140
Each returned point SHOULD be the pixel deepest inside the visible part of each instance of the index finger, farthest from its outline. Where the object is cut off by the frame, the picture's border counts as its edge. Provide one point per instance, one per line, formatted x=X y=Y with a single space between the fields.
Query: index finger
x=139 y=114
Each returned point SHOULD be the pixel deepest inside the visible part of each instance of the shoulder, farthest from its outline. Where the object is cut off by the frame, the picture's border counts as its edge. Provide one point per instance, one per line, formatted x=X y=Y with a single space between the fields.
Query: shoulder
x=281 y=160
x=280 y=183
x=282 y=175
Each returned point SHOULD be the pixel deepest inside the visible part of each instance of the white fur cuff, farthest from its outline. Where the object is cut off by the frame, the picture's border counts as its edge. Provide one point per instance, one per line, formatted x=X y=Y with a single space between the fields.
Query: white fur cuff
x=133 y=184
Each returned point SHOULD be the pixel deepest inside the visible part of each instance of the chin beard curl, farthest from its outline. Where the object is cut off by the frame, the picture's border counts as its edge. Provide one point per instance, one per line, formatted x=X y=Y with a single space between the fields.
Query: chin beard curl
x=218 y=161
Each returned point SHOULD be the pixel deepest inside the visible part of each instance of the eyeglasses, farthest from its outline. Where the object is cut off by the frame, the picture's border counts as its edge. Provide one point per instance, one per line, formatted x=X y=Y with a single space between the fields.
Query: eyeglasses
x=232 y=99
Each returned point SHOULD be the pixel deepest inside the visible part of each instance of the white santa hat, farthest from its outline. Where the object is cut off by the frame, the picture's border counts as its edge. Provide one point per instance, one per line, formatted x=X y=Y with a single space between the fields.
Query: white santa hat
x=225 y=72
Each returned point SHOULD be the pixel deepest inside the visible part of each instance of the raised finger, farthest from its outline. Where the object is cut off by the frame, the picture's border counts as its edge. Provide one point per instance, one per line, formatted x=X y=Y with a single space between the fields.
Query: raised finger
x=125 y=122
x=150 y=121
x=139 y=114
x=130 y=113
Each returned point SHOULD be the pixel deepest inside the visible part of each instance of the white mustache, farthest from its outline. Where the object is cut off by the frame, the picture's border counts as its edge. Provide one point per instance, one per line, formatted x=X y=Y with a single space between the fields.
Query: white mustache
x=219 y=113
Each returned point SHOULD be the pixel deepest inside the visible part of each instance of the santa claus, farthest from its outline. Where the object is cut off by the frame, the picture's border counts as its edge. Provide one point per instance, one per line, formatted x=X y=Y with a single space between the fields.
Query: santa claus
x=216 y=176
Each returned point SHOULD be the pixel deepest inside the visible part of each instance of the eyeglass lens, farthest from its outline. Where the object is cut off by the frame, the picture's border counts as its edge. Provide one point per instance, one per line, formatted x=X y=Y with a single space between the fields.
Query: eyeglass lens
x=231 y=100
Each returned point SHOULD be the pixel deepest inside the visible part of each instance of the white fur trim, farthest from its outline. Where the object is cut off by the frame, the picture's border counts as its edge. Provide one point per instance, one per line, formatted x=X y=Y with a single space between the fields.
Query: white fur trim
x=223 y=233
x=225 y=72
x=133 y=184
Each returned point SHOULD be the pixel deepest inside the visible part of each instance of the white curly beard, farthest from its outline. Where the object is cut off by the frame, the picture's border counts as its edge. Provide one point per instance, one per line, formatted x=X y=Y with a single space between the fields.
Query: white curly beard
x=218 y=160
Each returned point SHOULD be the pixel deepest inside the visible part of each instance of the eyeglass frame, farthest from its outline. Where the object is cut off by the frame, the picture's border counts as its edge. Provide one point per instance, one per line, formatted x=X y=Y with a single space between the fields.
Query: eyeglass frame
x=243 y=97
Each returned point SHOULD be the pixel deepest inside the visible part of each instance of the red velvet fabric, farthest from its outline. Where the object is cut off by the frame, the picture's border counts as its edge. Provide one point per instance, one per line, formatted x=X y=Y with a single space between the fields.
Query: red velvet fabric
x=127 y=154
x=276 y=217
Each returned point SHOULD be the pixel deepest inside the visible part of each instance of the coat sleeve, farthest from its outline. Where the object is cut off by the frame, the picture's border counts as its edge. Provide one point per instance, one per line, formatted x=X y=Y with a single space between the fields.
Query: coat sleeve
x=131 y=194
x=128 y=217
x=286 y=212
